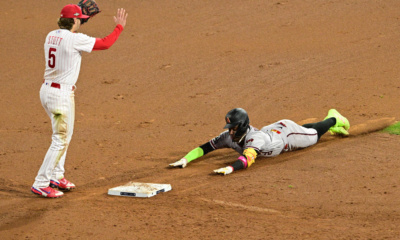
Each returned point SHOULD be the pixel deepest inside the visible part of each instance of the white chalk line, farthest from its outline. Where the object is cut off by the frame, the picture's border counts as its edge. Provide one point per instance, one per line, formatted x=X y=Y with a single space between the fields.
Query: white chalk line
x=250 y=208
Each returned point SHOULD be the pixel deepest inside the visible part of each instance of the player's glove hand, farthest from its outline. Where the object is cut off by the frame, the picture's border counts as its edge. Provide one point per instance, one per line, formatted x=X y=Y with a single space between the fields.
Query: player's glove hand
x=181 y=163
x=224 y=171
x=89 y=8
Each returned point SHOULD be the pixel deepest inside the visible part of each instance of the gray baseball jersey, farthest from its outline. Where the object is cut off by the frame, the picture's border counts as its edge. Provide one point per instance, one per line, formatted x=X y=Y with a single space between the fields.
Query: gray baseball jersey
x=270 y=141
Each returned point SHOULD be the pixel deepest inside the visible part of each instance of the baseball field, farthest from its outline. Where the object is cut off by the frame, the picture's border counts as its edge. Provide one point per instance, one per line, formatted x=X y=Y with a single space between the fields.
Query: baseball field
x=164 y=88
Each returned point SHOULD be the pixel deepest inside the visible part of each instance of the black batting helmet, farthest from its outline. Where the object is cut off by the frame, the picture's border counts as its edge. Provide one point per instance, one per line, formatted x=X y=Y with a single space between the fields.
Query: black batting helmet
x=238 y=117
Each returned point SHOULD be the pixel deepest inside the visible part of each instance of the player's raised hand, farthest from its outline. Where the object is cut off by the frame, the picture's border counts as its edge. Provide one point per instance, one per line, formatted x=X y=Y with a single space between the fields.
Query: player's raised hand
x=224 y=171
x=181 y=163
x=121 y=17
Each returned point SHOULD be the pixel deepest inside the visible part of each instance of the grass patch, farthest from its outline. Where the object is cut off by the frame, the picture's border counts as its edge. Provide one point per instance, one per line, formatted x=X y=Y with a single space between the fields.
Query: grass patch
x=393 y=129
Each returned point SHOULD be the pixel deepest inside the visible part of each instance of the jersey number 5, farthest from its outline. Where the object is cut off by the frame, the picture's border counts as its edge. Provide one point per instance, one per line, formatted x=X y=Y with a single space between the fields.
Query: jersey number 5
x=52 y=58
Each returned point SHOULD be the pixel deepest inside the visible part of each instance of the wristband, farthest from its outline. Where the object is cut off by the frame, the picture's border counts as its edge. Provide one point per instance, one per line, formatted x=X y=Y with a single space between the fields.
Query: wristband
x=244 y=160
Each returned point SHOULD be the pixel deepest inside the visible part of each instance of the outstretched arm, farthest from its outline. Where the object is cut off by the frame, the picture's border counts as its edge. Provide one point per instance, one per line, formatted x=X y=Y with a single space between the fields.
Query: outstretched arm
x=194 y=154
x=107 y=42
x=246 y=160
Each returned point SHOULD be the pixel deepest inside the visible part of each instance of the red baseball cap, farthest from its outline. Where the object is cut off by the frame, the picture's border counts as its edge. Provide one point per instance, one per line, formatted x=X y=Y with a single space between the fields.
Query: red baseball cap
x=72 y=11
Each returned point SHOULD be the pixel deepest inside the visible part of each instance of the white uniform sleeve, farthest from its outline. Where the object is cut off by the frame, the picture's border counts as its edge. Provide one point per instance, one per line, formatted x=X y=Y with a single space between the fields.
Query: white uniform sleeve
x=83 y=42
x=256 y=141
x=267 y=144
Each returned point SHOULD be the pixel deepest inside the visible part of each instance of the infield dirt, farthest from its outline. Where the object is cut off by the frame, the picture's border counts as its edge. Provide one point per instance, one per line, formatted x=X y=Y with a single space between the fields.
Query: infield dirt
x=164 y=88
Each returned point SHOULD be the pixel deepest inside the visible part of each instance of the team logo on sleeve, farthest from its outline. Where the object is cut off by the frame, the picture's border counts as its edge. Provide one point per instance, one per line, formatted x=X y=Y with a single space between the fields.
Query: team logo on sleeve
x=274 y=130
x=216 y=139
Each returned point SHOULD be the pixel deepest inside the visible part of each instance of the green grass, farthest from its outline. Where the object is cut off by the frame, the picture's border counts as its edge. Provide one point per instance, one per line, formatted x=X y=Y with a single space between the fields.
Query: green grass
x=393 y=129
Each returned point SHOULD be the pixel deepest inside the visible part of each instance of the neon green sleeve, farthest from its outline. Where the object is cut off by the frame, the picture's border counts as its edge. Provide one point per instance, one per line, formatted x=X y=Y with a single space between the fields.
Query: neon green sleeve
x=194 y=154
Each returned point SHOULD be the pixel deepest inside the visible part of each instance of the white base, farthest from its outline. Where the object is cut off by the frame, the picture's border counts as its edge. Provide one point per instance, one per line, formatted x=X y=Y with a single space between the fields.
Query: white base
x=136 y=189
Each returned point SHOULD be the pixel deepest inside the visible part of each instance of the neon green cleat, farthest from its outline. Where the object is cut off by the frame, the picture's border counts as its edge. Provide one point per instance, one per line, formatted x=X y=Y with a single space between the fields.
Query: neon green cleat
x=342 y=124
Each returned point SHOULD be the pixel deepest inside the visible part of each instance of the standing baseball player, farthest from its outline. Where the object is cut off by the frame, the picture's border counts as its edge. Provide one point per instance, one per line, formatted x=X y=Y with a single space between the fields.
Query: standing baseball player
x=270 y=141
x=63 y=49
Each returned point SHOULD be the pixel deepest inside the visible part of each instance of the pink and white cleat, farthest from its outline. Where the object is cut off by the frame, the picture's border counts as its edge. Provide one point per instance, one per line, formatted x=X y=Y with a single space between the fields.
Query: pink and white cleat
x=47 y=192
x=62 y=184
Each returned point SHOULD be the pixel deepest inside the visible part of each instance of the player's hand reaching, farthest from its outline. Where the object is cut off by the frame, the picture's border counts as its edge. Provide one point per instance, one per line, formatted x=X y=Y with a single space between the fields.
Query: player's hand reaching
x=121 y=17
x=224 y=171
x=181 y=163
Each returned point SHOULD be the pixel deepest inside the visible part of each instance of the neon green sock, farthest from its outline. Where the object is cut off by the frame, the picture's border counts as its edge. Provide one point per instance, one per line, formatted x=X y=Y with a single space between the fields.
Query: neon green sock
x=194 y=154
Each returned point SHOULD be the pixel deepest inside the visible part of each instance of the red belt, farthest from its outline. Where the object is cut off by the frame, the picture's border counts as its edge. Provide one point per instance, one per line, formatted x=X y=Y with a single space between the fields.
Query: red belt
x=57 y=85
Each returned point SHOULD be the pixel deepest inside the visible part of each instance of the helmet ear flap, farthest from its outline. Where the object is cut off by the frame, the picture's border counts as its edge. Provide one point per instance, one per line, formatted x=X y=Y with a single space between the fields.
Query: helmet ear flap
x=241 y=132
x=240 y=125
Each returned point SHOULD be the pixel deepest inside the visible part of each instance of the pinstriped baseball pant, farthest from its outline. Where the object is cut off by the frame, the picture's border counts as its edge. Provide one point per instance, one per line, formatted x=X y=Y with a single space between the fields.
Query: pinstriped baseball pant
x=59 y=105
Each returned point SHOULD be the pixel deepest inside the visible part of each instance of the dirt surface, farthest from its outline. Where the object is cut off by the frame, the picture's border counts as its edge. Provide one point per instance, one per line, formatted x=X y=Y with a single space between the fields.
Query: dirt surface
x=164 y=88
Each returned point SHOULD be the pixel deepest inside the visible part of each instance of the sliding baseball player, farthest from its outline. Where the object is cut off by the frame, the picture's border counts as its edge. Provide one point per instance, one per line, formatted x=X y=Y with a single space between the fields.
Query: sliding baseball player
x=270 y=141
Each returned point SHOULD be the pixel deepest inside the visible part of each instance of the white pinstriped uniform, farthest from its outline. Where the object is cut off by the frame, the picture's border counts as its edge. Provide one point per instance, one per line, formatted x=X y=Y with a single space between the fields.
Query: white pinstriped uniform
x=62 y=50
x=282 y=136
